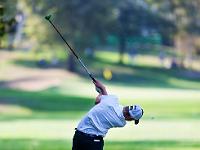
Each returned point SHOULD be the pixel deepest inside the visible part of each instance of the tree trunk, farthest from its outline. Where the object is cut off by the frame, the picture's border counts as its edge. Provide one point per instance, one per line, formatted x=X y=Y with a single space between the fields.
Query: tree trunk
x=71 y=63
x=122 y=48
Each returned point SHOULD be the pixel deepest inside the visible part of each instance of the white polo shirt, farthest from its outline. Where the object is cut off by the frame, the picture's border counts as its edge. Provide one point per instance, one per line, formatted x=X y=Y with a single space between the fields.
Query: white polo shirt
x=103 y=116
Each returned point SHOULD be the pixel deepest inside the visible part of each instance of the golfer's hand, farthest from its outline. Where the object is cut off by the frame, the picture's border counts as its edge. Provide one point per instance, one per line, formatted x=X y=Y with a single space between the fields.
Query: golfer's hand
x=100 y=87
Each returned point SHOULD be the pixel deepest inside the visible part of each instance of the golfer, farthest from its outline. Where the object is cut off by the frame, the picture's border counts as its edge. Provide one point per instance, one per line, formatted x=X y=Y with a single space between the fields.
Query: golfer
x=107 y=113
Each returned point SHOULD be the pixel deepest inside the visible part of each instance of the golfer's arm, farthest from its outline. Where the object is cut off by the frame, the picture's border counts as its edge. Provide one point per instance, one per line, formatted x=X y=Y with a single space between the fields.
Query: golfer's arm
x=100 y=88
x=103 y=90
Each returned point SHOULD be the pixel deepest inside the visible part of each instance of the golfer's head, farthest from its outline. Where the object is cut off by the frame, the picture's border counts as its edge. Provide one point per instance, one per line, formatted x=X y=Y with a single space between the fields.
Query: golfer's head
x=134 y=112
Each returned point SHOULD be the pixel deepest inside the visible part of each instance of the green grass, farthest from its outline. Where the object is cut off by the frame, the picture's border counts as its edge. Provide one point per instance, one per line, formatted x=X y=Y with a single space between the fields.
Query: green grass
x=45 y=120
x=145 y=72
x=152 y=145
x=42 y=105
x=55 y=105
x=24 y=144
x=168 y=129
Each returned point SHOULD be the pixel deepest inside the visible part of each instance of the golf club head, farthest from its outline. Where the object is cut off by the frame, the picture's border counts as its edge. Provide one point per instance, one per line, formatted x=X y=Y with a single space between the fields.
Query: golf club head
x=48 y=17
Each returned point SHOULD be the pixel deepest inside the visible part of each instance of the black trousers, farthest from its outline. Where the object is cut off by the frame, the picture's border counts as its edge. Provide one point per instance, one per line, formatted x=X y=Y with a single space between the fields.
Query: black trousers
x=82 y=141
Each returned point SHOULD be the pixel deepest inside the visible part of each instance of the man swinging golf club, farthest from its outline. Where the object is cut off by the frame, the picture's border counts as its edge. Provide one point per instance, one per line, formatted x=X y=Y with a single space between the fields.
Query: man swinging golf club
x=107 y=113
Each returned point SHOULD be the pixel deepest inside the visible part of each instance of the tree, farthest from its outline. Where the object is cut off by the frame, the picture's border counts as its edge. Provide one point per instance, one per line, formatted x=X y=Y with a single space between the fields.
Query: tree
x=81 y=21
x=186 y=16
x=2 y=25
x=133 y=18
x=7 y=13
x=128 y=25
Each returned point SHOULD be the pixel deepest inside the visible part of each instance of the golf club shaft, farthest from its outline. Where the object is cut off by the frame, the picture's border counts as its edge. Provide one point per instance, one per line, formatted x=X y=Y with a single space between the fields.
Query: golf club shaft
x=82 y=64
x=99 y=90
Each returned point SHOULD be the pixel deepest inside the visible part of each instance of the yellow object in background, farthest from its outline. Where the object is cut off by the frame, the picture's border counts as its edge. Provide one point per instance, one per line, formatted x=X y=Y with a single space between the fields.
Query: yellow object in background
x=107 y=74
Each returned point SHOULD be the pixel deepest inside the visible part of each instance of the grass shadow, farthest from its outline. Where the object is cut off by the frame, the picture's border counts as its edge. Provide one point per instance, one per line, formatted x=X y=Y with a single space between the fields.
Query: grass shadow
x=45 y=101
x=140 y=76
x=36 y=64
x=144 y=76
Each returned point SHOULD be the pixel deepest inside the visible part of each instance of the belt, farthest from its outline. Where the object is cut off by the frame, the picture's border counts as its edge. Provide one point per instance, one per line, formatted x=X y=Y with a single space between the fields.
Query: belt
x=89 y=135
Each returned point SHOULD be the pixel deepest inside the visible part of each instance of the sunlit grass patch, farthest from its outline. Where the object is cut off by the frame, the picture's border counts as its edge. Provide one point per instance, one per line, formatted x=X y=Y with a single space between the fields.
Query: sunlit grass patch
x=10 y=109
x=57 y=134
x=167 y=129
x=107 y=56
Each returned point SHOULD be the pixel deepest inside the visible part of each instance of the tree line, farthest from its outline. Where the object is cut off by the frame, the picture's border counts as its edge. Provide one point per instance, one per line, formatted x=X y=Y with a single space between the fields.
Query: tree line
x=87 y=23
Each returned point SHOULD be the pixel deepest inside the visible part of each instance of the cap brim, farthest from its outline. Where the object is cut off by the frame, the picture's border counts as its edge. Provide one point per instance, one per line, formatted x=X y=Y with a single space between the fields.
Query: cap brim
x=136 y=121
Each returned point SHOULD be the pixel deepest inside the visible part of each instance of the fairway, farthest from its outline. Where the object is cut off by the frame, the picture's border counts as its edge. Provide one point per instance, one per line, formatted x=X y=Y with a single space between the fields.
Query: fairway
x=39 y=109
x=57 y=134
x=183 y=130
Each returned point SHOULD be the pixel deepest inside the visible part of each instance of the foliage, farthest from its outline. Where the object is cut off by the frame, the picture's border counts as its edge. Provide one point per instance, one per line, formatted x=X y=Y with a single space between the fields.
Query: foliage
x=88 y=23
x=185 y=14
x=81 y=21
x=10 y=8
x=7 y=13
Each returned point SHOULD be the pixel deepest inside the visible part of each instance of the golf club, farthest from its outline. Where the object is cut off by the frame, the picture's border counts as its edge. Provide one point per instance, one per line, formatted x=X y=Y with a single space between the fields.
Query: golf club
x=78 y=58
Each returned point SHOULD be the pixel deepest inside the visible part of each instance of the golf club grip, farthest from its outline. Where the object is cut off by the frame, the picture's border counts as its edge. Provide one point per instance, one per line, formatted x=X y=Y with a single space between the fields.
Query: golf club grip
x=99 y=90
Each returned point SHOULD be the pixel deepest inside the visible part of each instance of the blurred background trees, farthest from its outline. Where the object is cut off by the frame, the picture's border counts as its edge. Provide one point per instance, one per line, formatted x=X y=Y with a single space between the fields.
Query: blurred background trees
x=89 y=24
x=185 y=15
